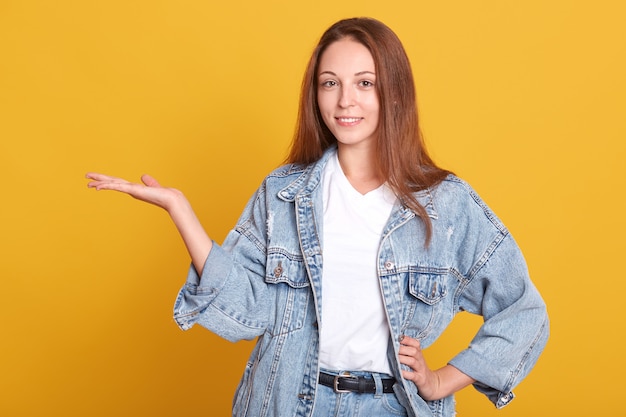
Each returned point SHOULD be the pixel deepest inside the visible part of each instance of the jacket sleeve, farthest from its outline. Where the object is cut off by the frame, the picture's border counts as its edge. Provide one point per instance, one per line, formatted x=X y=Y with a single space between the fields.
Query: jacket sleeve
x=515 y=328
x=231 y=297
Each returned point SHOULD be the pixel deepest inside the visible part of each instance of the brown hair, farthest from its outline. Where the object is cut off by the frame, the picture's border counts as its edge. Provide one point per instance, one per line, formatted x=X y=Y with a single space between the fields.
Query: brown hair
x=403 y=161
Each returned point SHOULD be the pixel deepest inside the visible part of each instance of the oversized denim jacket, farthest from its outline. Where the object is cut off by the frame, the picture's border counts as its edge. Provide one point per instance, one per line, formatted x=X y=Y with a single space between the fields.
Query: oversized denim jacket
x=265 y=282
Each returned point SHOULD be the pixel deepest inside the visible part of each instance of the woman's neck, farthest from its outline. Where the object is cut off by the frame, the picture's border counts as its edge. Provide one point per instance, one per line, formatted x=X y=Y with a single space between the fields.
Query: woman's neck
x=359 y=167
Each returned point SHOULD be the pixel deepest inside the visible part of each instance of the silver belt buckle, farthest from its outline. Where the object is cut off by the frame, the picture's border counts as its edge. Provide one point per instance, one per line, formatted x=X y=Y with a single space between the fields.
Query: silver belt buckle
x=336 y=382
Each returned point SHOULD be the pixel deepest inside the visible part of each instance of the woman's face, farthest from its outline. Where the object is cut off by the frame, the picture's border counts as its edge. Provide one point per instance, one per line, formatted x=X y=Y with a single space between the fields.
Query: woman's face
x=346 y=93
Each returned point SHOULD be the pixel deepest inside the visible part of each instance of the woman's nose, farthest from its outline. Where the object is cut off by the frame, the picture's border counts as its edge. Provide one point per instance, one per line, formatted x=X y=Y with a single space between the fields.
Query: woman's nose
x=348 y=97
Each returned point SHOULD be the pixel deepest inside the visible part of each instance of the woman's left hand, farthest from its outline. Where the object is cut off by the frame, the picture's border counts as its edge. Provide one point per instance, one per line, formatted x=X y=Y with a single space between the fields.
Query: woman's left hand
x=411 y=355
x=431 y=385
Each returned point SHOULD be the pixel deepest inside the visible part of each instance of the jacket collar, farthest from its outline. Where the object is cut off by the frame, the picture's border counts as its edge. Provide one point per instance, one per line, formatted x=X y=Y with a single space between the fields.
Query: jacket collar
x=311 y=177
x=309 y=180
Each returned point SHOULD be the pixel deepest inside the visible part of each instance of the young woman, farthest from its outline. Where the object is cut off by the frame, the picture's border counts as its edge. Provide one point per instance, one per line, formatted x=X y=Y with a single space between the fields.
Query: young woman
x=356 y=255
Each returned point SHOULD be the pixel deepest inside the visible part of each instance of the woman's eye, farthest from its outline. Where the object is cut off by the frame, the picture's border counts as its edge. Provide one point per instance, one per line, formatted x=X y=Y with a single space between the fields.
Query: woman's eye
x=329 y=83
x=366 y=83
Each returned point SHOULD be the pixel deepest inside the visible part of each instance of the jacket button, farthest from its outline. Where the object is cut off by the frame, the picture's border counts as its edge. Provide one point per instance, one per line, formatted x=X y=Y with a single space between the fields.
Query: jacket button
x=278 y=271
x=389 y=265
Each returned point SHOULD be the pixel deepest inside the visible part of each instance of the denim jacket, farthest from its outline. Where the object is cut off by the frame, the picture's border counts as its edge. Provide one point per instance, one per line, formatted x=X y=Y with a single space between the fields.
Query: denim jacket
x=265 y=282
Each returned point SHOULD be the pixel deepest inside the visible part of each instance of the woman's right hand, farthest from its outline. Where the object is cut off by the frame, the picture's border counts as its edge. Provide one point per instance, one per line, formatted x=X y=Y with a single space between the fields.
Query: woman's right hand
x=150 y=191
x=196 y=240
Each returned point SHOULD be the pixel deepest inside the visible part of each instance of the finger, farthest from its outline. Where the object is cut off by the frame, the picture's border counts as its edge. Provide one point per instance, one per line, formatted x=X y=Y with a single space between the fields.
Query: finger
x=124 y=187
x=101 y=177
x=409 y=341
x=410 y=375
x=150 y=181
x=110 y=185
x=409 y=361
x=413 y=369
x=105 y=182
x=407 y=350
x=101 y=181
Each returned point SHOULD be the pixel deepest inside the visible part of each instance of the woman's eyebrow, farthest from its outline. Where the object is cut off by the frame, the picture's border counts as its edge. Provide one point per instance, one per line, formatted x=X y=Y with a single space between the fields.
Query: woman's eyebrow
x=357 y=74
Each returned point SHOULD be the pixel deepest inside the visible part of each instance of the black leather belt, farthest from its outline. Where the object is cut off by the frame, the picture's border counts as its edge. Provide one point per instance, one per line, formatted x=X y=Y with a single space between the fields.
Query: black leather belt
x=353 y=383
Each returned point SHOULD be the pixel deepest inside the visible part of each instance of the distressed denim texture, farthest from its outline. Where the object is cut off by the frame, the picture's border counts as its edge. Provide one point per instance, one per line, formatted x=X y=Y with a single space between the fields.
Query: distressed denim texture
x=265 y=282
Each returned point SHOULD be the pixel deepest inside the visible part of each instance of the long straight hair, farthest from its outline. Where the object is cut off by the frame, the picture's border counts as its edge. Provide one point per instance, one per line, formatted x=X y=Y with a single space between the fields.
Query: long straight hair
x=402 y=159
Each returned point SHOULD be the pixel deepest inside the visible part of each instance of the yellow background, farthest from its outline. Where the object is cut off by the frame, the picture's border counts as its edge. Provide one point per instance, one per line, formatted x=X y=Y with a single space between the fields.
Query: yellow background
x=524 y=99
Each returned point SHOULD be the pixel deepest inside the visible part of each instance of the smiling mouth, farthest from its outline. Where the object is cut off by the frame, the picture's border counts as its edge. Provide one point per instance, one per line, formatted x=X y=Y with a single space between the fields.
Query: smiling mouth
x=349 y=120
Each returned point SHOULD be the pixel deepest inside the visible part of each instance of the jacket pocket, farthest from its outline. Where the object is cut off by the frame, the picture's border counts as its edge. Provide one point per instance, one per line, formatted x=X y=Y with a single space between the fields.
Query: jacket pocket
x=287 y=281
x=426 y=290
x=429 y=288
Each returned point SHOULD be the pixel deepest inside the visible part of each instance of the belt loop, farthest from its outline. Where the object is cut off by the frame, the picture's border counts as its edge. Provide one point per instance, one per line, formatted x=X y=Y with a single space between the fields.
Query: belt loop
x=379 y=385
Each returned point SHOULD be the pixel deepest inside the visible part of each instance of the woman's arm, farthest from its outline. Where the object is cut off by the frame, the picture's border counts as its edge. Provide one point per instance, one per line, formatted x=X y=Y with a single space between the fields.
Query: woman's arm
x=431 y=385
x=173 y=201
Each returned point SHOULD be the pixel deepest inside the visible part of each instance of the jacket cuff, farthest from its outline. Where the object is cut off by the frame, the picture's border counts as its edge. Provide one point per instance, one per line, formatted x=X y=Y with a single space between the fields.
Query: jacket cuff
x=493 y=386
x=200 y=290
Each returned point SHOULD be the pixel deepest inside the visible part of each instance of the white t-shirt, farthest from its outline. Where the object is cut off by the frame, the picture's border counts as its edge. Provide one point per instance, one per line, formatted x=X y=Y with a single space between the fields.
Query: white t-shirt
x=354 y=330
